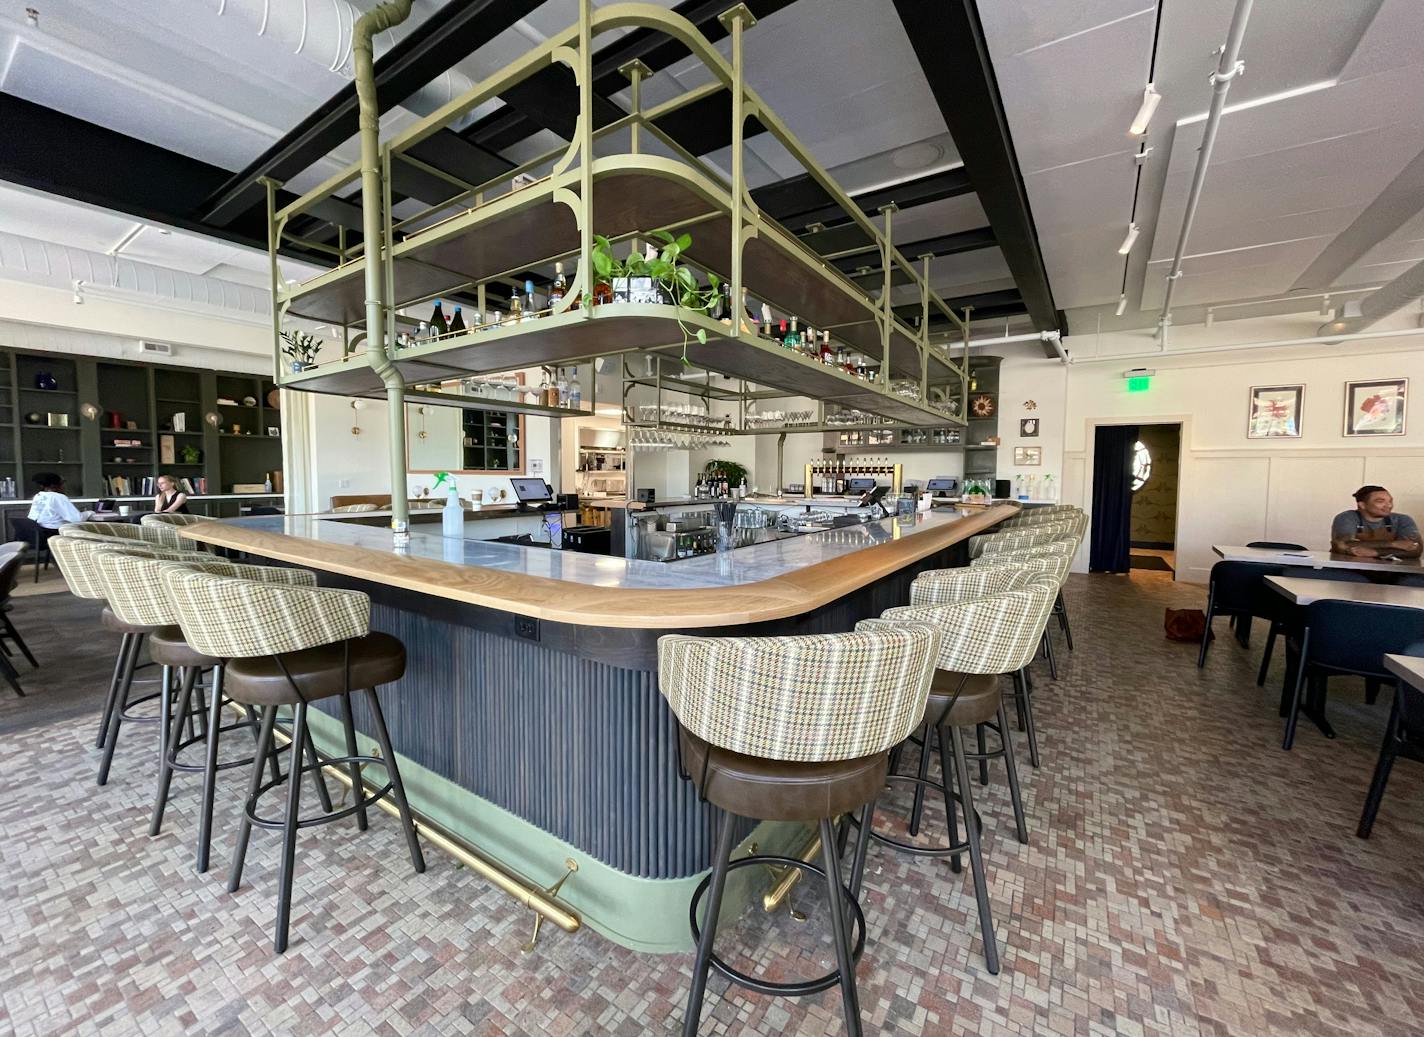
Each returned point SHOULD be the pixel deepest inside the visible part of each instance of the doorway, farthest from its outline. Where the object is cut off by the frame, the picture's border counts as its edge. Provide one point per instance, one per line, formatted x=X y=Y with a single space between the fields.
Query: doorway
x=1135 y=480
x=1155 y=470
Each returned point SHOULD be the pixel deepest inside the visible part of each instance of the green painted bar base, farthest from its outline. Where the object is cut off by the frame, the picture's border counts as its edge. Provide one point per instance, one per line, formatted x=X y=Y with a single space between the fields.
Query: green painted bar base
x=642 y=914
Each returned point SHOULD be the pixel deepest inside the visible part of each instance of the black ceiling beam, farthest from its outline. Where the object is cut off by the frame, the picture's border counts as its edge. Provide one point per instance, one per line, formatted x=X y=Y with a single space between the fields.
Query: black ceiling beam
x=53 y=152
x=543 y=100
x=949 y=42
x=432 y=47
x=865 y=270
x=1005 y=302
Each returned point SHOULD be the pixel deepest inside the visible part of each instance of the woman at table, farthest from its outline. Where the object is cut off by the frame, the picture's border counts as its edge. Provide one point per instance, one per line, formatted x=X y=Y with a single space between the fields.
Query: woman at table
x=169 y=498
x=1373 y=530
x=50 y=508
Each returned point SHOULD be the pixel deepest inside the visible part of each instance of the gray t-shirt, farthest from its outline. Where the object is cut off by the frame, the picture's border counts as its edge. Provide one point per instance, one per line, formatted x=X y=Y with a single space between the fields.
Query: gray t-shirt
x=1348 y=523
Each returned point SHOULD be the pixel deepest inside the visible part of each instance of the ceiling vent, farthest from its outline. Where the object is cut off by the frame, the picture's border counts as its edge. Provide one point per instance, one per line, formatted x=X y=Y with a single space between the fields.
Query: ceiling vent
x=155 y=348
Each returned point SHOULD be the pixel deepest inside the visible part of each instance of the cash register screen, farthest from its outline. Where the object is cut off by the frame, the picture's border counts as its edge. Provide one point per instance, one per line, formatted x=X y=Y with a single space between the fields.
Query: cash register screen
x=528 y=491
x=941 y=486
x=854 y=486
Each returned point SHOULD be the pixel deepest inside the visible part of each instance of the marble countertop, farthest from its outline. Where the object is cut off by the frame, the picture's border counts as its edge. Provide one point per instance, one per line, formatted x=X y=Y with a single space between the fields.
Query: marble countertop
x=743 y=566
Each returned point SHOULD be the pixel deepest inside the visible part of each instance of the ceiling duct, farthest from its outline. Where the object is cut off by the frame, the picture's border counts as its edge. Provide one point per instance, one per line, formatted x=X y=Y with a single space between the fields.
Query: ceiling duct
x=320 y=31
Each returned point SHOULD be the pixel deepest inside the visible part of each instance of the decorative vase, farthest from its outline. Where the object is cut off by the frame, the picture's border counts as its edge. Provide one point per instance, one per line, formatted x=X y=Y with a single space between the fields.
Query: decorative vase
x=45 y=380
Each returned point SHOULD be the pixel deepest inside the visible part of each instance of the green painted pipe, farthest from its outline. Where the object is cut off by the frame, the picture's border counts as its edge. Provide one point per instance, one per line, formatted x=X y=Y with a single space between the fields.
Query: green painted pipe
x=393 y=12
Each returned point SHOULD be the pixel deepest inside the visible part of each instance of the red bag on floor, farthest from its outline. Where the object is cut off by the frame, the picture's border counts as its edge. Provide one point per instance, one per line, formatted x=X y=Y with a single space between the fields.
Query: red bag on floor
x=1185 y=624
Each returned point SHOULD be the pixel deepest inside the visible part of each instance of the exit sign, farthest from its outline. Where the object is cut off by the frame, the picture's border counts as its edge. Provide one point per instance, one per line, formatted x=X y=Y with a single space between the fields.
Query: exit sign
x=1139 y=383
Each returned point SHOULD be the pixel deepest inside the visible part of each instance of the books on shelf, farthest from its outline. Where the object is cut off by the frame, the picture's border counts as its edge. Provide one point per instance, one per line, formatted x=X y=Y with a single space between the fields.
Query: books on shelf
x=147 y=486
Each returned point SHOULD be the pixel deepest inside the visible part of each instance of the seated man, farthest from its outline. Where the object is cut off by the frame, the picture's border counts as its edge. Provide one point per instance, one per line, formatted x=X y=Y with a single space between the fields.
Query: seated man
x=1373 y=529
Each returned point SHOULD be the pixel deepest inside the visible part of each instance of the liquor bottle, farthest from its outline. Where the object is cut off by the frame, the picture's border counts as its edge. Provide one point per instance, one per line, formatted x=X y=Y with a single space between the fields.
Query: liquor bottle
x=560 y=286
x=544 y=389
x=811 y=342
x=790 y=337
x=724 y=303
x=422 y=333
x=563 y=383
x=782 y=331
x=530 y=310
x=827 y=357
x=457 y=322
x=438 y=326
x=575 y=392
x=516 y=309
x=766 y=321
x=496 y=320
x=551 y=394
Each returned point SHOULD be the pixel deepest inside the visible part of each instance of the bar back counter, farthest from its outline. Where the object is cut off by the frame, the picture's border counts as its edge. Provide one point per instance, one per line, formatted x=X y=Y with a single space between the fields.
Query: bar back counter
x=529 y=722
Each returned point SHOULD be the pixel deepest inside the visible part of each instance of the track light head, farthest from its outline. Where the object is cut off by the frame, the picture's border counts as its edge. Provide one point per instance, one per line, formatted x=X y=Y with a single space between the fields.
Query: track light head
x=1150 y=100
x=1122 y=304
x=1129 y=240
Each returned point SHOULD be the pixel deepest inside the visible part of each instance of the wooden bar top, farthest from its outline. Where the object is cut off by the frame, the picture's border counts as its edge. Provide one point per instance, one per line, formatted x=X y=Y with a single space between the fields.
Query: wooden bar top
x=749 y=585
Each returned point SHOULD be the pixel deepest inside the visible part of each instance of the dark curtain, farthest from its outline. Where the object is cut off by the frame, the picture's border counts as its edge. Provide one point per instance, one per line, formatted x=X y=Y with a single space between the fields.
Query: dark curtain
x=1112 y=498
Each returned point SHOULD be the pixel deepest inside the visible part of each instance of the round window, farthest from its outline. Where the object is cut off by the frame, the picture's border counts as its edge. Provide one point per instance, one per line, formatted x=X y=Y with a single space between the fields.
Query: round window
x=1141 y=466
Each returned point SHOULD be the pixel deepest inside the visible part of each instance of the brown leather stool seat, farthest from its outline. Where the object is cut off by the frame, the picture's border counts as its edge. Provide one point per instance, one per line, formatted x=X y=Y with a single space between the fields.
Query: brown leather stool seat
x=977 y=701
x=167 y=648
x=782 y=790
x=320 y=672
x=114 y=624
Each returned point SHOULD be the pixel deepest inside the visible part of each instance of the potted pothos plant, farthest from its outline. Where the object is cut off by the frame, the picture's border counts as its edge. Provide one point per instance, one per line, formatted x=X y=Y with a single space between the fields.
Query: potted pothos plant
x=660 y=277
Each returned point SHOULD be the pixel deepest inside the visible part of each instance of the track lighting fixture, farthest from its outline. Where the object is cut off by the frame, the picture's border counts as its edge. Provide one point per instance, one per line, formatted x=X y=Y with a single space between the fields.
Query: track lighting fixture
x=1122 y=304
x=1128 y=241
x=1150 y=100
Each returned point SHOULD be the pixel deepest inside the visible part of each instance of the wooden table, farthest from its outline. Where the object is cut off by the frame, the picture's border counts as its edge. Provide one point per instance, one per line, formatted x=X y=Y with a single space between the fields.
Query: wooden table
x=1314 y=559
x=1408 y=668
x=1303 y=592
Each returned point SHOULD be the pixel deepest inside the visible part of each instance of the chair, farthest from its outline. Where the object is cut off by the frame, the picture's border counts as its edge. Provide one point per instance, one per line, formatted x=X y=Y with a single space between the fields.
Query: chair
x=981 y=640
x=36 y=537
x=1283 y=616
x=1349 y=637
x=1403 y=736
x=353 y=508
x=1062 y=550
x=791 y=729
x=137 y=594
x=1010 y=539
x=11 y=559
x=1234 y=589
x=166 y=525
x=292 y=646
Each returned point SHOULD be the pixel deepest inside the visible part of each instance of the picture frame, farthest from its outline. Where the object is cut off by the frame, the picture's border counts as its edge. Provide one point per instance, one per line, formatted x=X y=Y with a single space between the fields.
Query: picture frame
x=1376 y=407
x=1028 y=428
x=1028 y=456
x=1275 y=412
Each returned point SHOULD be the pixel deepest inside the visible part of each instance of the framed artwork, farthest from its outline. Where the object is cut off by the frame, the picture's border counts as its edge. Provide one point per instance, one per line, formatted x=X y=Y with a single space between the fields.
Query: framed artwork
x=981 y=406
x=1275 y=412
x=1028 y=455
x=1376 y=408
x=1028 y=427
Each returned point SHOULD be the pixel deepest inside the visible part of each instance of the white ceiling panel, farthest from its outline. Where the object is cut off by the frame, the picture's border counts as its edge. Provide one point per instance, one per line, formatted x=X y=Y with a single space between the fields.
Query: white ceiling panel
x=1394 y=39
x=1020 y=25
x=1083 y=196
x=1077 y=269
x=946 y=216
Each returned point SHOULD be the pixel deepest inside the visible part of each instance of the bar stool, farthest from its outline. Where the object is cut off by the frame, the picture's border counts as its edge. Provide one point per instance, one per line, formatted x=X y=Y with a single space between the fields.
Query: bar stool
x=791 y=729
x=951 y=586
x=1027 y=536
x=1065 y=547
x=137 y=594
x=292 y=646
x=74 y=554
x=982 y=639
x=12 y=557
x=165 y=526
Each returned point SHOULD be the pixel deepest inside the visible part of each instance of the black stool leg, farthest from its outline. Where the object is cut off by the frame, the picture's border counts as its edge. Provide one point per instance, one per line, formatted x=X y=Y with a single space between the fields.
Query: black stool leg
x=12 y=675
x=840 y=932
x=19 y=641
x=976 y=859
x=983 y=741
x=113 y=690
x=1025 y=701
x=703 y=961
x=354 y=769
x=1048 y=652
x=862 y=847
x=1011 y=765
x=289 y=832
x=917 y=811
x=170 y=730
x=116 y=714
x=244 y=828
x=318 y=777
x=397 y=786
x=1063 y=621
x=210 y=772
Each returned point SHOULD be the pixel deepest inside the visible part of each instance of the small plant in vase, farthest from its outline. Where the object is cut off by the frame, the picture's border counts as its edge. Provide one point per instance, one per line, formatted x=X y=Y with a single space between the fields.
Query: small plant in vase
x=301 y=349
x=657 y=277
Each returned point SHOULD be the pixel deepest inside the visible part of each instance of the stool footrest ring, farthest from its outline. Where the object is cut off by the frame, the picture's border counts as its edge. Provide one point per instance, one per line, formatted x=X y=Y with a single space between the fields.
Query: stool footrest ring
x=952 y=850
x=371 y=798
x=764 y=986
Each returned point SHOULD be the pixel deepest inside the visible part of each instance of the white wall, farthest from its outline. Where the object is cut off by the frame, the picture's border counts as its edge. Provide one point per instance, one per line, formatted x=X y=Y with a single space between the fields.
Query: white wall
x=1232 y=489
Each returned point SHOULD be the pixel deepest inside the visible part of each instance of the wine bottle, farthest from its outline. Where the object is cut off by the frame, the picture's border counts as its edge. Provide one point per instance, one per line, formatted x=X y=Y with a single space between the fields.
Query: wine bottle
x=457 y=322
x=559 y=288
x=516 y=308
x=438 y=325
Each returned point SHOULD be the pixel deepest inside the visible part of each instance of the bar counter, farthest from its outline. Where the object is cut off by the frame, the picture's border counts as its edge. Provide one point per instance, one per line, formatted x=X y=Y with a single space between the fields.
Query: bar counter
x=529 y=721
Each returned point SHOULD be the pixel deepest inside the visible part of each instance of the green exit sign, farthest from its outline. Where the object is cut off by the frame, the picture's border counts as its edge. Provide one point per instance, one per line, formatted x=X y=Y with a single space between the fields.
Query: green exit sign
x=1139 y=383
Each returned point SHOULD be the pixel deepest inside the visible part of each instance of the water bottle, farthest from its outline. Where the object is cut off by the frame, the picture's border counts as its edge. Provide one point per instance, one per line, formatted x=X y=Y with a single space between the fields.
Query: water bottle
x=452 y=516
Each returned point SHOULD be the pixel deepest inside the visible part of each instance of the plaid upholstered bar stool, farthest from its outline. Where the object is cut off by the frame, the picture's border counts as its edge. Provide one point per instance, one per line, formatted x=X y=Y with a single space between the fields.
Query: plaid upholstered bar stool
x=791 y=729
x=982 y=639
x=166 y=525
x=1065 y=548
x=75 y=555
x=137 y=594
x=292 y=646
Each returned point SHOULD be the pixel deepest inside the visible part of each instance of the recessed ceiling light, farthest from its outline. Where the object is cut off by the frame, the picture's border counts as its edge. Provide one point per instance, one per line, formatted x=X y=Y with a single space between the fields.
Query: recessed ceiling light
x=916 y=156
x=1128 y=241
x=1150 y=100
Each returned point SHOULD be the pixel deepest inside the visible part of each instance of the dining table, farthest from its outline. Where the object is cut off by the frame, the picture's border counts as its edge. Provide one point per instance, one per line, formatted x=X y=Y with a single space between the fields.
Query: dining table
x=1316 y=559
